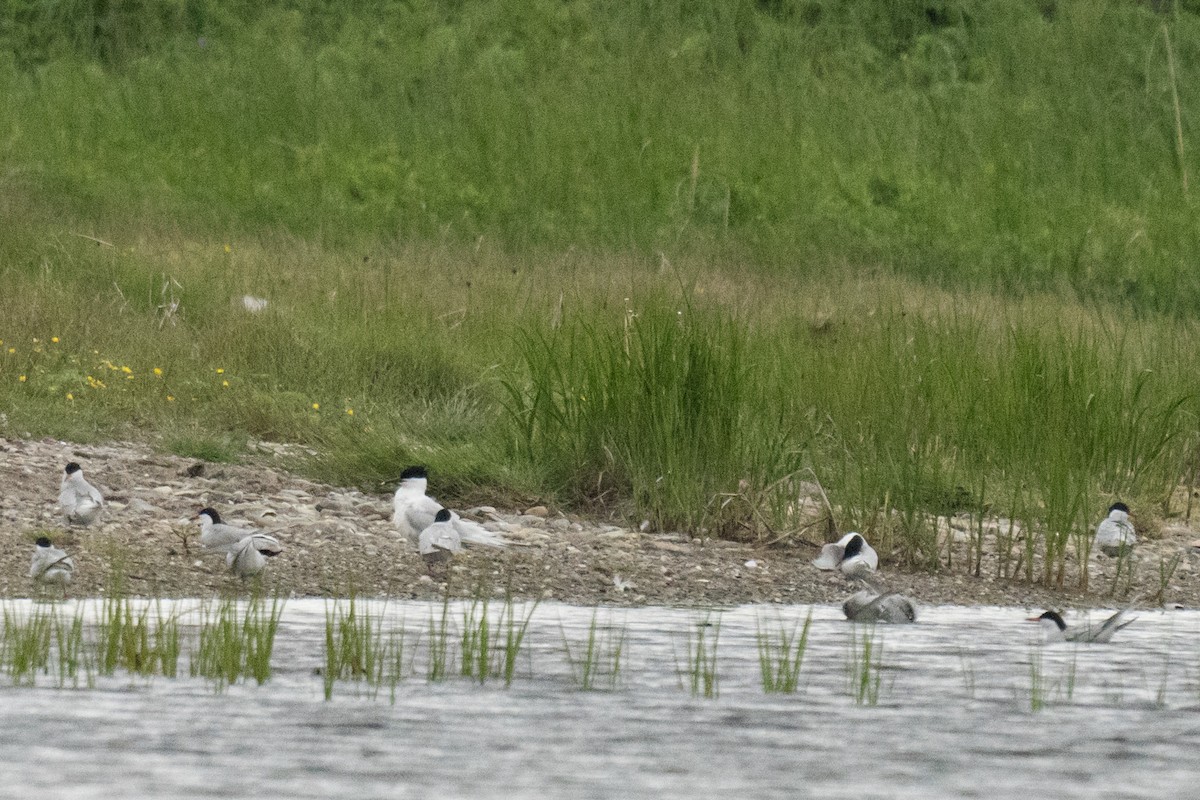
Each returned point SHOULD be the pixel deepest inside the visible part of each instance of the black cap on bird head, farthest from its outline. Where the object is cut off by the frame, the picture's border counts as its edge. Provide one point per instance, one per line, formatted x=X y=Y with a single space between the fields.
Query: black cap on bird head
x=1053 y=616
x=43 y=541
x=1118 y=506
x=854 y=546
x=212 y=512
x=72 y=468
x=443 y=515
x=414 y=472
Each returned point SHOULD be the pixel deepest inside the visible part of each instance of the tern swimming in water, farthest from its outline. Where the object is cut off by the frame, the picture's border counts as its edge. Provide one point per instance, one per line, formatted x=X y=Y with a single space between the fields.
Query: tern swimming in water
x=890 y=607
x=851 y=554
x=51 y=565
x=414 y=511
x=246 y=551
x=1114 y=534
x=79 y=500
x=440 y=541
x=1057 y=631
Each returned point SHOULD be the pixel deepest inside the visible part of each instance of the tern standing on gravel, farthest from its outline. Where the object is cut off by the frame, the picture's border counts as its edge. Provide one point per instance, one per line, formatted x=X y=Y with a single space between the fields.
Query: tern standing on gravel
x=79 y=500
x=440 y=541
x=246 y=551
x=1114 y=534
x=415 y=511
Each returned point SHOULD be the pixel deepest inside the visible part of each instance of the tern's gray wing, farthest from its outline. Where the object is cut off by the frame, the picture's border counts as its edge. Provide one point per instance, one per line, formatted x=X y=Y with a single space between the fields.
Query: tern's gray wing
x=472 y=533
x=439 y=536
x=51 y=560
x=1109 y=627
x=887 y=607
x=830 y=557
x=222 y=538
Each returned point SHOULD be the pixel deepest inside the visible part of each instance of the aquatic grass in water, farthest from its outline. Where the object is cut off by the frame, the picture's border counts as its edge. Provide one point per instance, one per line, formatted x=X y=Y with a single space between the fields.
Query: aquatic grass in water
x=25 y=649
x=137 y=642
x=781 y=655
x=699 y=671
x=357 y=649
x=483 y=653
x=236 y=643
x=598 y=657
x=438 y=647
x=864 y=667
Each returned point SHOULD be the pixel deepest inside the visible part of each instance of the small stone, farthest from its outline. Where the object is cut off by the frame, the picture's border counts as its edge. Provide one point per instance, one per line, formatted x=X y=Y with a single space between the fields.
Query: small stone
x=751 y=564
x=537 y=511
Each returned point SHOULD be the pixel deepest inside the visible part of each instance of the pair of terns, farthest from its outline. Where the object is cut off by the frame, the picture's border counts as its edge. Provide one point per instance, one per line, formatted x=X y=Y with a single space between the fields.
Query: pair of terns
x=857 y=560
x=437 y=532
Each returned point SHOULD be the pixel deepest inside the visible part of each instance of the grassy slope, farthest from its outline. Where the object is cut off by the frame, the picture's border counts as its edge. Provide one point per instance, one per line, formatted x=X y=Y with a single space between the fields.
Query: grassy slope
x=618 y=256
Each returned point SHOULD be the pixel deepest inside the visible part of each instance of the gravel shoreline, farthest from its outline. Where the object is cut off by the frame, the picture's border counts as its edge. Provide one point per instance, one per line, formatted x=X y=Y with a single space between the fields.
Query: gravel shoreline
x=338 y=541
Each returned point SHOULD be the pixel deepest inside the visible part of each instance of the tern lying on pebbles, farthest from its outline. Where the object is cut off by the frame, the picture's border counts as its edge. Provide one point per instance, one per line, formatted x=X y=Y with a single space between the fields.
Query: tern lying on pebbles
x=1114 y=534
x=1057 y=631
x=79 y=500
x=891 y=607
x=51 y=565
x=246 y=551
x=851 y=554
x=415 y=511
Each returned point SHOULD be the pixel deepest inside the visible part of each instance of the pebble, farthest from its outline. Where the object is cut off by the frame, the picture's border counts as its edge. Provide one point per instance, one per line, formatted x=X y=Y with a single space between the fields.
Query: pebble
x=537 y=511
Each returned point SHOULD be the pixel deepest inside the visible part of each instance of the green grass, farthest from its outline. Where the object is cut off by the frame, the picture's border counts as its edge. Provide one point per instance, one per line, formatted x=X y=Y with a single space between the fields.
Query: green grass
x=889 y=245
x=598 y=657
x=235 y=643
x=357 y=649
x=864 y=667
x=144 y=642
x=781 y=655
x=489 y=648
x=699 y=672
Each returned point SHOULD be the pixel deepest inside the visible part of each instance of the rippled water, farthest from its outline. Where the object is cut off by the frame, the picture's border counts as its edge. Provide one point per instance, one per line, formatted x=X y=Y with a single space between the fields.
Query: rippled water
x=953 y=719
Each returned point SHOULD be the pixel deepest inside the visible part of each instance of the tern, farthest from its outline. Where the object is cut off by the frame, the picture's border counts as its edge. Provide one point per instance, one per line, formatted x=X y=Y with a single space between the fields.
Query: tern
x=415 y=511
x=851 y=554
x=246 y=551
x=51 y=565
x=79 y=500
x=891 y=607
x=1114 y=534
x=1057 y=631
x=440 y=541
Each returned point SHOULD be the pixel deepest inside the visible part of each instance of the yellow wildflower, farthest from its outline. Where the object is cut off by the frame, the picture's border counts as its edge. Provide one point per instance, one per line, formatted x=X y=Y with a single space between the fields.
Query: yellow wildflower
x=316 y=406
x=21 y=379
x=220 y=370
x=228 y=249
x=350 y=412
x=225 y=384
x=170 y=399
x=54 y=339
x=12 y=350
x=126 y=370
x=70 y=396
x=158 y=371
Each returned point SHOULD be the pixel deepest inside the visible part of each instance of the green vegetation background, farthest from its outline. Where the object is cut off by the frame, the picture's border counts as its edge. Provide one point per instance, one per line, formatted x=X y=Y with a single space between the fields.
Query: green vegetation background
x=666 y=257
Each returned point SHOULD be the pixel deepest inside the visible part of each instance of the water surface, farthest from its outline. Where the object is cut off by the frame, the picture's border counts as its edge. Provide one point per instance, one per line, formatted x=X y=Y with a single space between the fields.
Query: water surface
x=954 y=718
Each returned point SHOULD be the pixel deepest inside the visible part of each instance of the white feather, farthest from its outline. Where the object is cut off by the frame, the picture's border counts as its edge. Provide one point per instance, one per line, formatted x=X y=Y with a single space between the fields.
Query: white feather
x=51 y=565
x=79 y=500
x=413 y=511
